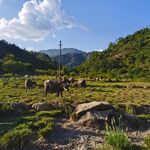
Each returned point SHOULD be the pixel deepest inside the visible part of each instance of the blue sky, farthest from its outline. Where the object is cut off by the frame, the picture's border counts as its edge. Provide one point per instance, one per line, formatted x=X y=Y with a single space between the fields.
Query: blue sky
x=83 y=24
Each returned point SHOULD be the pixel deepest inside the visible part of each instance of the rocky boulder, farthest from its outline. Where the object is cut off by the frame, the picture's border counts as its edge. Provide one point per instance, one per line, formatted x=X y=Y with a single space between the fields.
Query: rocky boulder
x=95 y=114
x=95 y=105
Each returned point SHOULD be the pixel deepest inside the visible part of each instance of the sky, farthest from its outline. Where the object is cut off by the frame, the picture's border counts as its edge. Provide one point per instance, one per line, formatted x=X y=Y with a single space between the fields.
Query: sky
x=84 y=24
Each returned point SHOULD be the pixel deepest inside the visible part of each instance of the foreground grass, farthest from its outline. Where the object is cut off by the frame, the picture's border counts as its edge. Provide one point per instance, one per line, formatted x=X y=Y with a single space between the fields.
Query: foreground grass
x=18 y=132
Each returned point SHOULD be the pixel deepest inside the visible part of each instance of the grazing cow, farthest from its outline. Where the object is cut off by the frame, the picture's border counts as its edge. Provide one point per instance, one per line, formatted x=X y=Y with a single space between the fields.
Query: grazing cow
x=71 y=80
x=80 y=83
x=96 y=79
x=65 y=80
x=54 y=86
x=26 y=76
x=29 y=84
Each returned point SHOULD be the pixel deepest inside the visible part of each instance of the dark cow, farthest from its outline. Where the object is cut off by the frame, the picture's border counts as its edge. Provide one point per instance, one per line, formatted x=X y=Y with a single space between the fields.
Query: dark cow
x=72 y=80
x=54 y=86
x=29 y=84
x=65 y=80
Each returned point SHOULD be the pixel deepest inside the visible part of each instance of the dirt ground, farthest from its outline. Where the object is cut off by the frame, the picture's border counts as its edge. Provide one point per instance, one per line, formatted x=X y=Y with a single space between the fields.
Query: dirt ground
x=68 y=136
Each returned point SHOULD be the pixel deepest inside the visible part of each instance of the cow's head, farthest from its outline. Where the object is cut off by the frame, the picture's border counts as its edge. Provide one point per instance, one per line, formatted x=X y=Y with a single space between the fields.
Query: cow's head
x=66 y=87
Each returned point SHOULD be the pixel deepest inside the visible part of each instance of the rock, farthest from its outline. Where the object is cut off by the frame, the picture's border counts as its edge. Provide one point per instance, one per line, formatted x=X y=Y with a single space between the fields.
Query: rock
x=96 y=105
x=94 y=114
x=133 y=122
x=41 y=106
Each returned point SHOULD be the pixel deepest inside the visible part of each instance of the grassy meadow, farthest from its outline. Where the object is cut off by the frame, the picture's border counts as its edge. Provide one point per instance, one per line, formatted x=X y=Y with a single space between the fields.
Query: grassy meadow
x=12 y=90
x=25 y=127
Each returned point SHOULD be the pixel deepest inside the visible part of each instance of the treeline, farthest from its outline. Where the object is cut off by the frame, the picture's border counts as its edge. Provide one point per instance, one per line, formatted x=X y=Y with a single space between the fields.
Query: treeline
x=19 y=61
x=127 y=57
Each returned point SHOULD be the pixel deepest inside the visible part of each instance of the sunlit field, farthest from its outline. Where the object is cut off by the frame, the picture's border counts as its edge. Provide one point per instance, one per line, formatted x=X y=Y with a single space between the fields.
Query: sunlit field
x=12 y=90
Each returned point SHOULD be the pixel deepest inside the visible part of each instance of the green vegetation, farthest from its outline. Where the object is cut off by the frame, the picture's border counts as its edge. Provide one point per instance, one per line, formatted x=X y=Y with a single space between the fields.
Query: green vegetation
x=128 y=57
x=147 y=141
x=117 y=139
x=18 y=61
x=12 y=90
x=19 y=138
x=18 y=133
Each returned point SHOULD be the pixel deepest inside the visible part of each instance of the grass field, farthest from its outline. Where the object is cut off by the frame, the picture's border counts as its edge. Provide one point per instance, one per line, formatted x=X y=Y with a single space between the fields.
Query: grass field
x=28 y=125
x=12 y=90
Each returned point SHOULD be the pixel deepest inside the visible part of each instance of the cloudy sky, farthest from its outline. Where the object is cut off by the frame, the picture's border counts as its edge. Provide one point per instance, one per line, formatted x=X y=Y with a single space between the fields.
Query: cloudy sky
x=83 y=24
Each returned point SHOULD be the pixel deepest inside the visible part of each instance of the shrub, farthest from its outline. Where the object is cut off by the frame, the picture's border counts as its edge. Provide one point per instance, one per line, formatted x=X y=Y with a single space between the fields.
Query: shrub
x=17 y=139
x=147 y=141
x=73 y=116
x=43 y=122
x=53 y=113
x=117 y=138
x=47 y=130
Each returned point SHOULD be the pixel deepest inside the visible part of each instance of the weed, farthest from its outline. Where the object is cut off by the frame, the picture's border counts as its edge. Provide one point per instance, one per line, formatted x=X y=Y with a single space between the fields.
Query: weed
x=47 y=130
x=18 y=139
x=52 y=113
x=147 y=140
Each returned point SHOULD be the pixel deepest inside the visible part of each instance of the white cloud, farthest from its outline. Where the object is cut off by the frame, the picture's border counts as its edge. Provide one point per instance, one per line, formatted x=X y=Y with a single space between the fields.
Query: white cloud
x=1 y=1
x=36 y=20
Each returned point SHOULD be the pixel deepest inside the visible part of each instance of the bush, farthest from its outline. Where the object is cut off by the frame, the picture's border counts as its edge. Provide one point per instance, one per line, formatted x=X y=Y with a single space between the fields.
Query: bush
x=147 y=141
x=53 y=113
x=42 y=122
x=17 y=139
x=47 y=130
x=117 y=139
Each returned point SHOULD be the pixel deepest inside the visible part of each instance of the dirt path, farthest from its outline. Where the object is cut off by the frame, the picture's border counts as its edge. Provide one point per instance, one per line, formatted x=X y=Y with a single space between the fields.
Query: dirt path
x=69 y=137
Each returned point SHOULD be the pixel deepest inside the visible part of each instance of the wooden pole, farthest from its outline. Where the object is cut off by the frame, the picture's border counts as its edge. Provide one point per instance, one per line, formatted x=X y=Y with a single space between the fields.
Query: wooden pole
x=60 y=65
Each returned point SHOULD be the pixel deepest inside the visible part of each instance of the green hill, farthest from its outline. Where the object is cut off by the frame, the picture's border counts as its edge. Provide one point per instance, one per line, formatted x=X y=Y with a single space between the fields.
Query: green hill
x=72 y=60
x=16 y=60
x=129 y=56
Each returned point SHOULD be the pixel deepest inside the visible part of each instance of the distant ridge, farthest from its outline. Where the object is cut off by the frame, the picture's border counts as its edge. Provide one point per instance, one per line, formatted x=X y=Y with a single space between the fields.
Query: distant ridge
x=55 y=52
x=71 y=57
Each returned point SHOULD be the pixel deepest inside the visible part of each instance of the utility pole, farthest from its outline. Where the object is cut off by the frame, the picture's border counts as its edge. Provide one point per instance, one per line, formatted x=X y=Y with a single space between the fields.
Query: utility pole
x=60 y=65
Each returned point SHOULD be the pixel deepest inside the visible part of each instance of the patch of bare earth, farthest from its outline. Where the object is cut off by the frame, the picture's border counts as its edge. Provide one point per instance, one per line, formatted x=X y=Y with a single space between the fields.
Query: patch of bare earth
x=67 y=136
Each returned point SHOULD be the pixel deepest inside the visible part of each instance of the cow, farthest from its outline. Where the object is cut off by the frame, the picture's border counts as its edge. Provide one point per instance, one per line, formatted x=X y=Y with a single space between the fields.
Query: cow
x=29 y=84
x=54 y=86
x=80 y=83
x=65 y=80
x=72 y=80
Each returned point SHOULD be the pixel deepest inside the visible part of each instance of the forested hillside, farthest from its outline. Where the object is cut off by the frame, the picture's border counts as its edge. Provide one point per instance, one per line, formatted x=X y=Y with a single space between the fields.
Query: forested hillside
x=72 y=60
x=129 y=56
x=16 y=60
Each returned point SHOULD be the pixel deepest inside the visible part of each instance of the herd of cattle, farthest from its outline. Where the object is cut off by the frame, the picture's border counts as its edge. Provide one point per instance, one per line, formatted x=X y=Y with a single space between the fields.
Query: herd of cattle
x=56 y=86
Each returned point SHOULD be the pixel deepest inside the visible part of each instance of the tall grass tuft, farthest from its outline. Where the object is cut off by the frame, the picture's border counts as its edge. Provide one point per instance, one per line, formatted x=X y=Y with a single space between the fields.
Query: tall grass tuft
x=115 y=136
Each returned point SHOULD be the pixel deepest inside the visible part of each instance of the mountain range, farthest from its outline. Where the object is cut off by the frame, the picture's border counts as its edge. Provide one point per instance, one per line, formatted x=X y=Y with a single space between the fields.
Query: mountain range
x=71 y=57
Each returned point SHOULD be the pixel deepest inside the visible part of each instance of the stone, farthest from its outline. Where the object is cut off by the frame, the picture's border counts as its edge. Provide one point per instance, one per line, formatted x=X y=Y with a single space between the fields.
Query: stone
x=96 y=105
x=97 y=118
x=95 y=114
x=41 y=106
